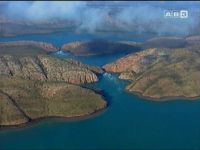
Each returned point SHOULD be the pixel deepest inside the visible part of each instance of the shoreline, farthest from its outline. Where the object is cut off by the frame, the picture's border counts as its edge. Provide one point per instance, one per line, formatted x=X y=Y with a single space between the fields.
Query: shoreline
x=62 y=118
x=55 y=118
x=162 y=99
x=149 y=98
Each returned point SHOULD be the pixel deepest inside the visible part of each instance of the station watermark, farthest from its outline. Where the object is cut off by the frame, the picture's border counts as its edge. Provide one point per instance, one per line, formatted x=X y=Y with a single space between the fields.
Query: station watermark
x=181 y=14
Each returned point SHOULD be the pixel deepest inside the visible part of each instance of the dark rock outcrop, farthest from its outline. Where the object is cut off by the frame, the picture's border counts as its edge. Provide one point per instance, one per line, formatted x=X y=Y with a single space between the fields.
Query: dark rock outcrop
x=99 y=47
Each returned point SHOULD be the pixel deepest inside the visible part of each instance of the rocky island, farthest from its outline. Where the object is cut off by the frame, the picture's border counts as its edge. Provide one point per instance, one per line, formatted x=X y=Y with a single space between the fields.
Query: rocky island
x=39 y=86
x=100 y=47
x=159 y=73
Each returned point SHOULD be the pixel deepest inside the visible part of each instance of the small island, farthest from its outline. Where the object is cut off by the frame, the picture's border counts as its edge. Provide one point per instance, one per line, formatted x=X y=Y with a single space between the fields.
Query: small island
x=100 y=47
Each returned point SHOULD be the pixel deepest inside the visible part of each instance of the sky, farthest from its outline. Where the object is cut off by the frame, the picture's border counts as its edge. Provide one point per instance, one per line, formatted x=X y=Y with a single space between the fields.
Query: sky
x=92 y=16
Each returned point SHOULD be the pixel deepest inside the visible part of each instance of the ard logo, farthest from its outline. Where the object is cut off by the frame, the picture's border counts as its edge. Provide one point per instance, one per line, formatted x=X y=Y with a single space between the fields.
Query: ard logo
x=182 y=14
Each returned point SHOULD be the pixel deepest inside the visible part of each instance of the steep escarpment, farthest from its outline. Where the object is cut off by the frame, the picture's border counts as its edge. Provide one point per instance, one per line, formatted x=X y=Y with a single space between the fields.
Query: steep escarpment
x=43 y=67
x=22 y=101
x=161 y=72
x=130 y=61
x=95 y=69
x=99 y=47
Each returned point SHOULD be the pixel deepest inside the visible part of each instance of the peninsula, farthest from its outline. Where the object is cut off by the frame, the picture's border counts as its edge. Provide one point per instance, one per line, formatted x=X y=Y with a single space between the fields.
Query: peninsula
x=162 y=72
x=35 y=85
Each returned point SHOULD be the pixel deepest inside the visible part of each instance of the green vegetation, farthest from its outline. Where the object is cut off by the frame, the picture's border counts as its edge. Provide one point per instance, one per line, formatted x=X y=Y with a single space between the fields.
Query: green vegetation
x=25 y=100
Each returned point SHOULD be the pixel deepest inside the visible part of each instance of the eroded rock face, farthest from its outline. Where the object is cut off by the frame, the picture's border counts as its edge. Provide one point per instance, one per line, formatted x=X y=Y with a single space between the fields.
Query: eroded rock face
x=96 y=70
x=129 y=62
x=128 y=75
x=72 y=45
x=44 y=67
x=61 y=70
x=22 y=101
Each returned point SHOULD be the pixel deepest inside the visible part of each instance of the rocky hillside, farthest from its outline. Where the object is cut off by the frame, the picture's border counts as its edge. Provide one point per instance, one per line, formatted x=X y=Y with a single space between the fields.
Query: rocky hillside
x=99 y=47
x=34 y=85
x=130 y=61
x=43 y=67
x=22 y=101
x=160 y=72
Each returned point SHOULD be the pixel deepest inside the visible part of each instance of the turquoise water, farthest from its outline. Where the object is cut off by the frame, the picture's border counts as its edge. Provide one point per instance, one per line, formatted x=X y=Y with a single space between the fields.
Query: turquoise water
x=90 y=60
x=58 y=39
x=129 y=122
